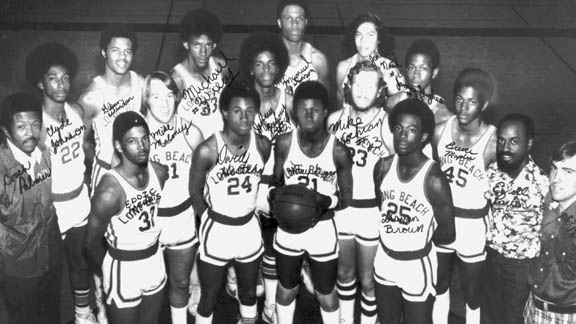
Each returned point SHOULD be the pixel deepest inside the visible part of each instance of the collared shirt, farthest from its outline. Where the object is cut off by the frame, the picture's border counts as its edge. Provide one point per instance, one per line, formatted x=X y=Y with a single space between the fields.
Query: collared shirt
x=553 y=275
x=28 y=161
x=30 y=241
x=517 y=205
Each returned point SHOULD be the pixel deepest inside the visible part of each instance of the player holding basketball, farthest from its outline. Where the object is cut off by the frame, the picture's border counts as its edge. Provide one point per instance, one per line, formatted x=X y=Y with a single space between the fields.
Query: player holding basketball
x=465 y=145
x=416 y=213
x=306 y=62
x=172 y=142
x=263 y=59
x=201 y=76
x=363 y=128
x=124 y=210
x=312 y=157
x=422 y=67
x=226 y=172
x=51 y=67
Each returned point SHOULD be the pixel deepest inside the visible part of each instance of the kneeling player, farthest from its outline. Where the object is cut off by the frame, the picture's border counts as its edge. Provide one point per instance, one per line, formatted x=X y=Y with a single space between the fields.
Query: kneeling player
x=313 y=157
x=124 y=208
x=416 y=210
x=229 y=164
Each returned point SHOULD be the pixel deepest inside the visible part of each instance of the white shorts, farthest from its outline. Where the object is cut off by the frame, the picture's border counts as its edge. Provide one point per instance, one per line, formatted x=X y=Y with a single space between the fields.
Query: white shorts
x=178 y=232
x=470 y=242
x=358 y=223
x=416 y=278
x=73 y=212
x=125 y=282
x=221 y=243
x=320 y=241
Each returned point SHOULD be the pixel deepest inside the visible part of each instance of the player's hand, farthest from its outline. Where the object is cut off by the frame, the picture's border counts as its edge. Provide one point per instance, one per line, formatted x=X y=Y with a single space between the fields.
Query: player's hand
x=324 y=203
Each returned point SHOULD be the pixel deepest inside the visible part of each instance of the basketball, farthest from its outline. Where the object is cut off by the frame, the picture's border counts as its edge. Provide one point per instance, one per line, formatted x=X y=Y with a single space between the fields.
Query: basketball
x=294 y=207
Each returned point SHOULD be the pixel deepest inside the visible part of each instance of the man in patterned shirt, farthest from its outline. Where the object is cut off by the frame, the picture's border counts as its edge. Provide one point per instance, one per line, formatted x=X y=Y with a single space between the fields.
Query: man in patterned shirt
x=517 y=190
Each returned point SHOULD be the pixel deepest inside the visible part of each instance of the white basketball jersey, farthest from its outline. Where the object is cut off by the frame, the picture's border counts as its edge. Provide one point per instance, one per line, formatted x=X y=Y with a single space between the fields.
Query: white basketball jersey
x=275 y=122
x=133 y=228
x=317 y=173
x=169 y=146
x=64 y=140
x=407 y=218
x=199 y=102
x=112 y=107
x=232 y=184
x=304 y=71
x=367 y=147
x=464 y=168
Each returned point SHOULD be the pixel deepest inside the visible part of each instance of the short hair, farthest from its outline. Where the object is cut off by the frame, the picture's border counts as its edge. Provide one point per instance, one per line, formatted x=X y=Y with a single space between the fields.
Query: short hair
x=385 y=37
x=566 y=151
x=425 y=47
x=125 y=122
x=118 y=31
x=166 y=80
x=17 y=103
x=311 y=90
x=415 y=107
x=355 y=70
x=300 y=3
x=238 y=89
x=477 y=79
x=200 y=22
x=522 y=119
x=260 y=42
x=47 y=55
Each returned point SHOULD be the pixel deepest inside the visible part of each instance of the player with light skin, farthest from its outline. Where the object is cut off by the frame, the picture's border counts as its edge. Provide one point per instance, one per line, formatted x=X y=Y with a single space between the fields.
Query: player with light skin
x=306 y=62
x=227 y=169
x=173 y=140
x=367 y=40
x=263 y=59
x=201 y=76
x=311 y=146
x=362 y=127
x=422 y=67
x=416 y=210
x=51 y=67
x=465 y=145
x=123 y=211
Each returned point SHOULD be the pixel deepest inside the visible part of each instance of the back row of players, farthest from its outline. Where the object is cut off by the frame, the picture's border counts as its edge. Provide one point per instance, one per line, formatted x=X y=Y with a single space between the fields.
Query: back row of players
x=232 y=142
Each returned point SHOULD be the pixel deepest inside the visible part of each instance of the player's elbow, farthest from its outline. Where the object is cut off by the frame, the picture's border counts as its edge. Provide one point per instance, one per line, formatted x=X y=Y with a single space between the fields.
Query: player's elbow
x=443 y=236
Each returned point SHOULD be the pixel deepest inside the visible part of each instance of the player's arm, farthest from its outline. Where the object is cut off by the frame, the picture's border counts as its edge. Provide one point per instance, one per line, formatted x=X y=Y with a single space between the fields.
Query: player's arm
x=332 y=121
x=442 y=113
x=289 y=108
x=203 y=159
x=161 y=171
x=320 y=64
x=264 y=148
x=490 y=150
x=387 y=136
x=438 y=130
x=440 y=197
x=90 y=102
x=343 y=161
x=380 y=170
x=341 y=69
x=106 y=202
x=178 y=80
x=194 y=136
x=280 y=153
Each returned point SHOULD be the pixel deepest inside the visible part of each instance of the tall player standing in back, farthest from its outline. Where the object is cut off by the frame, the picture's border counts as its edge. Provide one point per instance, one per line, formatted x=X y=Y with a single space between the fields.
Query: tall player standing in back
x=306 y=62
x=51 y=67
x=119 y=89
x=124 y=209
x=173 y=139
x=362 y=127
x=201 y=76
x=465 y=145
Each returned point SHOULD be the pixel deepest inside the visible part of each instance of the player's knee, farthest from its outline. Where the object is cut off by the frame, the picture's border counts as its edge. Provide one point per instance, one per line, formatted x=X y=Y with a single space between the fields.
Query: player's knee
x=179 y=283
x=367 y=282
x=346 y=274
x=288 y=280
x=328 y=302
x=248 y=296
